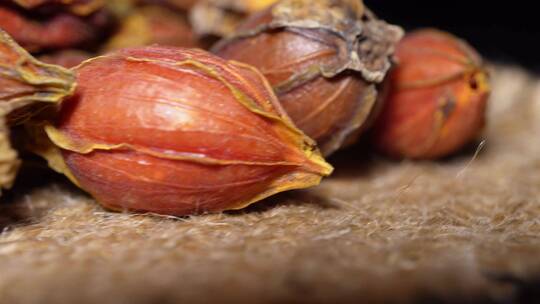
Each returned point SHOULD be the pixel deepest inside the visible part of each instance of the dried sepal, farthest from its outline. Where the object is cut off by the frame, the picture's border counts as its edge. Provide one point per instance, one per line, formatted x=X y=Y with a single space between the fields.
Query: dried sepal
x=363 y=43
x=323 y=58
x=178 y=131
x=26 y=87
x=152 y=25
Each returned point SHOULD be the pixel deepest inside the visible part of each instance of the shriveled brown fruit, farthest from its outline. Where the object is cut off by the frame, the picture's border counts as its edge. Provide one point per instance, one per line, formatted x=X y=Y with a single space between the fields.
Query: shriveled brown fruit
x=152 y=25
x=220 y=18
x=26 y=87
x=178 y=131
x=437 y=99
x=66 y=58
x=324 y=59
x=60 y=31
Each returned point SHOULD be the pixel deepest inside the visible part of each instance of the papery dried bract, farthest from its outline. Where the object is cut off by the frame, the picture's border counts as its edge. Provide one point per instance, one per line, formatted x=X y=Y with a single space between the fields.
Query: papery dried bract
x=323 y=59
x=26 y=87
x=437 y=97
x=178 y=131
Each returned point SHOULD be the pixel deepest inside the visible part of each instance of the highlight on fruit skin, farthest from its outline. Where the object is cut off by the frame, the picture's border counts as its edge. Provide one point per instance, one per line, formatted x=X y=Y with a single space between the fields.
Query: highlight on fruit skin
x=323 y=58
x=437 y=97
x=177 y=131
x=27 y=87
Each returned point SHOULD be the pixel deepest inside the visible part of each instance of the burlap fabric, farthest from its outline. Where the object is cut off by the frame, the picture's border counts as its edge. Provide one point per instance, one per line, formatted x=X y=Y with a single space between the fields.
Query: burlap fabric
x=462 y=230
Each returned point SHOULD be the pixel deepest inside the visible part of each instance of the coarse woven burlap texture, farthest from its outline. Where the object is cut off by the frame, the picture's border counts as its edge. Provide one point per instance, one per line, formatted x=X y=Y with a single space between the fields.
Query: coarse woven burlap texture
x=462 y=230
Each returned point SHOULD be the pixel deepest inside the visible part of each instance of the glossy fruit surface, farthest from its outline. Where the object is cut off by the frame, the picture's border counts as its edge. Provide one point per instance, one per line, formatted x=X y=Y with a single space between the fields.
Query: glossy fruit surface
x=179 y=131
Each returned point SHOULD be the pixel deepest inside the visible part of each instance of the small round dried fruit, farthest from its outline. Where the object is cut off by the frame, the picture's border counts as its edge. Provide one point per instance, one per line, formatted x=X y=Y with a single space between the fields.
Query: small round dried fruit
x=437 y=97
x=178 y=131
x=61 y=31
x=323 y=58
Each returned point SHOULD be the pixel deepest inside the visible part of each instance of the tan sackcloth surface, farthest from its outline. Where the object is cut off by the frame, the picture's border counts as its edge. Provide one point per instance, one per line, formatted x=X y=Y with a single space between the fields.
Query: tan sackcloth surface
x=462 y=230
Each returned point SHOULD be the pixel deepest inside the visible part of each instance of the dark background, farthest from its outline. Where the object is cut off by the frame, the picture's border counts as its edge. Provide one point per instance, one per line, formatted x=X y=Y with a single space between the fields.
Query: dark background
x=507 y=31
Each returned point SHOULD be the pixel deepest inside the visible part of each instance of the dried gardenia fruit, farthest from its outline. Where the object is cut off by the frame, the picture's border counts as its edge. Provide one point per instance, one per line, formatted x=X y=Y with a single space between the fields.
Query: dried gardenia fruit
x=437 y=97
x=153 y=25
x=78 y=7
x=26 y=87
x=178 y=131
x=323 y=58
x=220 y=18
x=61 y=31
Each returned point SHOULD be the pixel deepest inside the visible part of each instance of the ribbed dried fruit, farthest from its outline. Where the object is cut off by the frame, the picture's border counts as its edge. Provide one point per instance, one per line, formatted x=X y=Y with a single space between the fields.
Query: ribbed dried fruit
x=220 y=18
x=323 y=58
x=26 y=87
x=178 y=131
x=153 y=25
x=61 y=31
x=437 y=97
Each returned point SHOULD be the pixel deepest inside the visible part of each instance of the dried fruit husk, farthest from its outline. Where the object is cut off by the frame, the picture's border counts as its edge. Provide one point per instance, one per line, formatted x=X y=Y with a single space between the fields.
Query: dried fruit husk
x=437 y=99
x=78 y=7
x=27 y=86
x=220 y=18
x=152 y=25
x=66 y=58
x=178 y=131
x=60 y=31
x=323 y=58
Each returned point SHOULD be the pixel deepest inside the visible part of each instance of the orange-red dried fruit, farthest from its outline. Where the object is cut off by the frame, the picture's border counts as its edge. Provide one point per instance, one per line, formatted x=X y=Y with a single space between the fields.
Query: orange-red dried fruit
x=323 y=58
x=60 y=31
x=178 y=131
x=437 y=98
